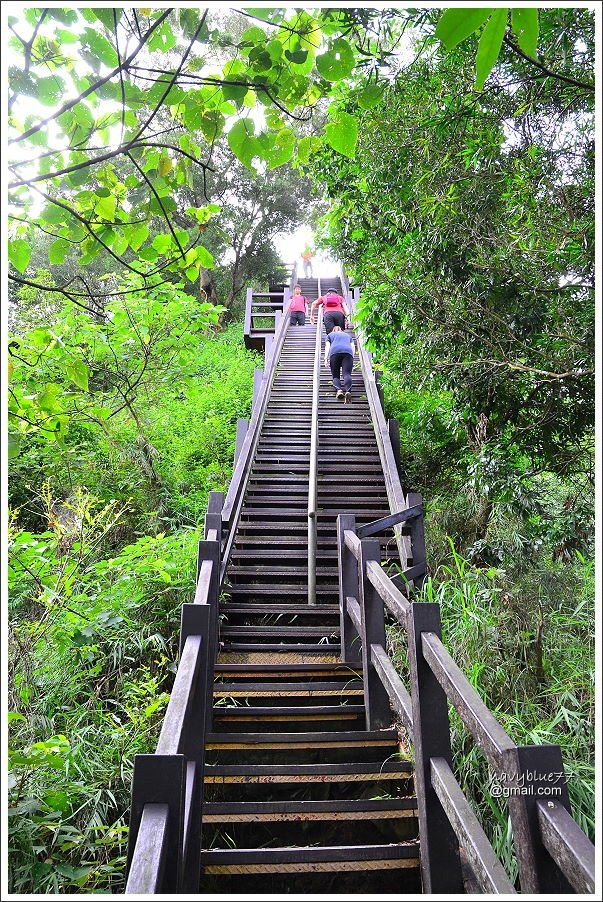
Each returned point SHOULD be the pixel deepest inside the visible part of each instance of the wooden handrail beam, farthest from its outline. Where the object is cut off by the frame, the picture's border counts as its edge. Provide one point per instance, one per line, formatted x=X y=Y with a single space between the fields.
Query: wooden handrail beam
x=377 y=526
x=353 y=609
x=478 y=719
x=397 y=603
x=567 y=845
x=352 y=542
x=204 y=582
x=399 y=695
x=148 y=860
x=172 y=734
x=485 y=865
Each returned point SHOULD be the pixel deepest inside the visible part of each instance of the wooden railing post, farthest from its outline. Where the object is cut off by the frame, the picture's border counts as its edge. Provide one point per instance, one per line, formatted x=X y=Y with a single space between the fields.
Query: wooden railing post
x=393 y=428
x=210 y=551
x=378 y=374
x=196 y=621
x=268 y=340
x=348 y=588
x=215 y=502
x=258 y=375
x=376 y=699
x=248 y=302
x=242 y=427
x=440 y=862
x=529 y=774
x=213 y=522
x=417 y=541
x=160 y=779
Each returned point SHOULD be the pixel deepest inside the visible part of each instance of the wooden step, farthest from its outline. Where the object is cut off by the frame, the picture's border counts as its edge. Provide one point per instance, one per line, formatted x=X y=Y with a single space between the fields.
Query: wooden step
x=282 y=570
x=333 y=648
x=281 y=590
x=283 y=656
x=301 y=669
x=258 y=610
x=332 y=810
x=287 y=690
x=310 y=859
x=355 y=739
x=269 y=714
x=308 y=773
x=280 y=630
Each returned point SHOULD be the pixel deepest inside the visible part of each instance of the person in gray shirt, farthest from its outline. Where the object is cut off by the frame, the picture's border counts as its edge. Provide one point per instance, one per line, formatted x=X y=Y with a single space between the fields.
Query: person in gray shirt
x=339 y=355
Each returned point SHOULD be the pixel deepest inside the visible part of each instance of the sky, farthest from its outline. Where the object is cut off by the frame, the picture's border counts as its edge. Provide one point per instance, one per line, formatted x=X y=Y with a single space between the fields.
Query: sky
x=290 y=248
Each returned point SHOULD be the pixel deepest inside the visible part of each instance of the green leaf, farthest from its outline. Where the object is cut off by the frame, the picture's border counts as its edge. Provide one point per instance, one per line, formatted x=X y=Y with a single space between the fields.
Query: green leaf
x=50 y=90
x=338 y=62
x=524 y=23
x=138 y=235
x=48 y=399
x=282 y=149
x=490 y=43
x=342 y=134
x=99 y=47
x=120 y=244
x=79 y=373
x=235 y=92
x=193 y=113
x=295 y=56
x=14 y=445
x=22 y=82
x=105 y=207
x=253 y=35
x=267 y=15
x=149 y=254
x=212 y=125
x=40 y=338
x=305 y=147
x=106 y=17
x=15 y=715
x=455 y=25
x=370 y=95
x=242 y=142
x=58 y=250
x=162 y=243
x=19 y=253
x=204 y=258
x=163 y=39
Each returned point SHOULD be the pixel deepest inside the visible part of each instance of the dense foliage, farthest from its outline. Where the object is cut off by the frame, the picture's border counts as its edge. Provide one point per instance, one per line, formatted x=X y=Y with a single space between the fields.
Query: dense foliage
x=466 y=217
x=154 y=156
x=102 y=548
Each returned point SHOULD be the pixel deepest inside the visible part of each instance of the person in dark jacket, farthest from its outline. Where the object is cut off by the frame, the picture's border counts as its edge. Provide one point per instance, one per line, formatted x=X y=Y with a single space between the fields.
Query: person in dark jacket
x=335 y=310
x=339 y=354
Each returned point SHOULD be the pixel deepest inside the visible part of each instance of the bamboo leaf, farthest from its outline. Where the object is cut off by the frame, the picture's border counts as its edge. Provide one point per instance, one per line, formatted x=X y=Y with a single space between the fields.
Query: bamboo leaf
x=524 y=23
x=490 y=43
x=455 y=25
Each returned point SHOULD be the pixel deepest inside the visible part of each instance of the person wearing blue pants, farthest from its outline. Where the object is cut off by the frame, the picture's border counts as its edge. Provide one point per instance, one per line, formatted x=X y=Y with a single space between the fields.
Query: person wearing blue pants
x=339 y=354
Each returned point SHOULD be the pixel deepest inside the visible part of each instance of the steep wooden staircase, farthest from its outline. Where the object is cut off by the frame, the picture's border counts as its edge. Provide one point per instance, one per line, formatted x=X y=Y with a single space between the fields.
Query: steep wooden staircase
x=294 y=781
x=284 y=760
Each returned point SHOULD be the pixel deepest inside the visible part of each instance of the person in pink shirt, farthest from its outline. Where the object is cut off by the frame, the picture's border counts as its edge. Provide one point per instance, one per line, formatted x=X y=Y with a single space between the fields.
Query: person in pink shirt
x=335 y=310
x=297 y=308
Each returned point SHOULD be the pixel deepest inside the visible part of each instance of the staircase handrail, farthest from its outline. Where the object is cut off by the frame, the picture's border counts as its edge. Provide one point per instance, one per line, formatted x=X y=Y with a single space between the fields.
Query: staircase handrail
x=313 y=468
x=236 y=491
x=167 y=787
x=553 y=853
x=395 y=493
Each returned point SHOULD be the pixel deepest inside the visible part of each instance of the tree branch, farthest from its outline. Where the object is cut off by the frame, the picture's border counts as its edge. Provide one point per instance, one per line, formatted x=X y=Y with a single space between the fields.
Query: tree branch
x=174 y=78
x=587 y=86
x=93 y=87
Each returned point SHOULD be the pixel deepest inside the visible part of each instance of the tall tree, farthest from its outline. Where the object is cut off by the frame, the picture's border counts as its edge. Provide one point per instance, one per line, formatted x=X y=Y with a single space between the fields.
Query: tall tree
x=468 y=218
